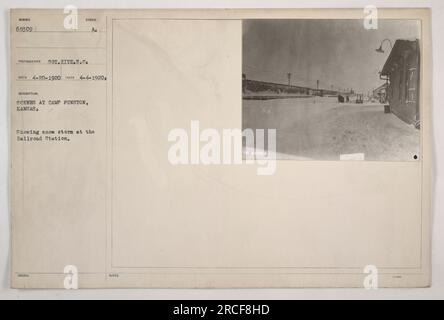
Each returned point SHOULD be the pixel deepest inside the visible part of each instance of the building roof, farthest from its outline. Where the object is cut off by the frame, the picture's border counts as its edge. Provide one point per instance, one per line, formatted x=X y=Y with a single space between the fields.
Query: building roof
x=381 y=87
x=398 y=50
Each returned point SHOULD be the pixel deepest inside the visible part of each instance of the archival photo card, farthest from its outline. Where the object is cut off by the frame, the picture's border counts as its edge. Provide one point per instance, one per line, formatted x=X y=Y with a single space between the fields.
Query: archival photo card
x=333 y=89
x=128 y=168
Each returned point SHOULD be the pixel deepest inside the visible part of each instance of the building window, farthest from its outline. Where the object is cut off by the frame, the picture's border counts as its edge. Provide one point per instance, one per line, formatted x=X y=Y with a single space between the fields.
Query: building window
x=400 y=77
x=401 y=80
x=411 y=85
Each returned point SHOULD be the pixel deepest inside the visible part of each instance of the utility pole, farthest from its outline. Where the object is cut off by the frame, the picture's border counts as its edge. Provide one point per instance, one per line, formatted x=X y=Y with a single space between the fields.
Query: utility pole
x=289 y=79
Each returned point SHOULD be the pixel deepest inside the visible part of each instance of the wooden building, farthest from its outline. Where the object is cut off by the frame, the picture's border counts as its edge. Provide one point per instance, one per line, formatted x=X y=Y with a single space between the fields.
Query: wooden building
x=402 y=69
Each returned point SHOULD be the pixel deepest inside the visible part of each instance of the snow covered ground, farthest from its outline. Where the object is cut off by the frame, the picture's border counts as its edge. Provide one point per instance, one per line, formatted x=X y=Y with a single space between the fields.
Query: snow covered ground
x=320 y=128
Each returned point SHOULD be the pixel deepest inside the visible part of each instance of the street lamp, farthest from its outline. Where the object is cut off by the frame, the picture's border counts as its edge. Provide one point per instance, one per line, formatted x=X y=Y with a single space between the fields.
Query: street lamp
x=380 y=50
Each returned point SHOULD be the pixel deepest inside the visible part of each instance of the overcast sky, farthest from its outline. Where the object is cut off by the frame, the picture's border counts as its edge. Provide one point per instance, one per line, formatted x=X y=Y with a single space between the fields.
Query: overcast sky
x=337 y=52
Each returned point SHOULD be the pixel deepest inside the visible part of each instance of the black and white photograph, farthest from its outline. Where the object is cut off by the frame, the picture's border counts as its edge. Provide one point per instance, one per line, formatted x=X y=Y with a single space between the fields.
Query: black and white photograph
x=334 y=89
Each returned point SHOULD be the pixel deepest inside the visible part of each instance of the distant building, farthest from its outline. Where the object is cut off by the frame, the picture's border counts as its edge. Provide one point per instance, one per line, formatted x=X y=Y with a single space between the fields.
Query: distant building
x=380 y=93
x=402 y=71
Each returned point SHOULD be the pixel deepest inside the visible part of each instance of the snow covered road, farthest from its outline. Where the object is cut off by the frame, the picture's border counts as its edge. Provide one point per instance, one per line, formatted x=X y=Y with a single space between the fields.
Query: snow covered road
x=320 y=128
